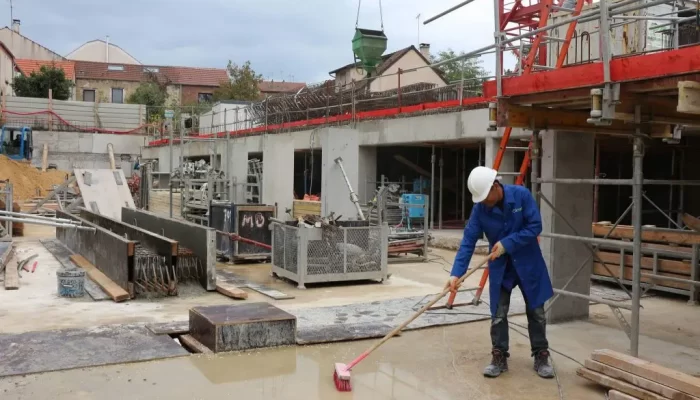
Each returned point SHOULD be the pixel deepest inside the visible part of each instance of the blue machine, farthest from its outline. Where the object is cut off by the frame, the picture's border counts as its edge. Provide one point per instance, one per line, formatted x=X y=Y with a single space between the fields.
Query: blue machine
x=16 y=145
x=414 y=199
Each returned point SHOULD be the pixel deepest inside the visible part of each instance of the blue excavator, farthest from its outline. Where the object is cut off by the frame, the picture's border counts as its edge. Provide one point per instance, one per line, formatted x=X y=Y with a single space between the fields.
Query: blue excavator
x=16 y=143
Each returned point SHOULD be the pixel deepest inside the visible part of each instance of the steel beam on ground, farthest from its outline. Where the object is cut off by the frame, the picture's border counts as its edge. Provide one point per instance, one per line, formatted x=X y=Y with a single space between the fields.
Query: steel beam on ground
x=161 y=245
x=110 y=253
x=201 y=240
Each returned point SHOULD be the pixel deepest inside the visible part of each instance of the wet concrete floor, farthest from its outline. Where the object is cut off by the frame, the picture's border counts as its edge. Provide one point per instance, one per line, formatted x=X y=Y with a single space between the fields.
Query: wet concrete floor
x=439 y=363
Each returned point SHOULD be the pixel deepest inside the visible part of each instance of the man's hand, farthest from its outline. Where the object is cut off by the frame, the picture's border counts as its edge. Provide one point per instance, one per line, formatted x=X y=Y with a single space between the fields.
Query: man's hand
x=452 y=284
x=497 y=251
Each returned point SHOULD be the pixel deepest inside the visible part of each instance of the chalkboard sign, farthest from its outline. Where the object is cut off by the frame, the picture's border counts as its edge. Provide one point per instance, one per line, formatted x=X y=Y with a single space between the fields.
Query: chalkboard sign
x=253 y=222
x=248 y=221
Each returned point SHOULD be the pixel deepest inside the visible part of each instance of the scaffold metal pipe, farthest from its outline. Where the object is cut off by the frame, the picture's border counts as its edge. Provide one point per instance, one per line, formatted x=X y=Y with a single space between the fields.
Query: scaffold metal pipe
x=592 y=298
x=442 y=14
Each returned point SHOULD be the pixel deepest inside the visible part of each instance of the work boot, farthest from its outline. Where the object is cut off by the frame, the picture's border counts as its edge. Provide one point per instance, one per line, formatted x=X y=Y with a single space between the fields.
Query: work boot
x=499 y=364
x=544 y=370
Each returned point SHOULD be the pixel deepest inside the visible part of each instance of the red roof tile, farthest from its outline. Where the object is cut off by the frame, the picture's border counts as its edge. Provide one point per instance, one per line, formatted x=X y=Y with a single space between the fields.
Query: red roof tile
x=28 y=66
x=195 y=76
x=128 y=72
x=280 y=87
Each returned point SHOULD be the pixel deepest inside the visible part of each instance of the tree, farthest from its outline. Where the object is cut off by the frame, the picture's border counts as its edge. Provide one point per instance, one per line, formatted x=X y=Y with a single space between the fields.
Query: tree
x=37 y=84
x=152 y=93
x=468 y=68
x=242 y=84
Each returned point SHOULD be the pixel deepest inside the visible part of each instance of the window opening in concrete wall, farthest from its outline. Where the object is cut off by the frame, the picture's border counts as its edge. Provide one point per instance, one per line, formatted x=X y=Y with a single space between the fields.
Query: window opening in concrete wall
x=408 y=169
x=307 y=173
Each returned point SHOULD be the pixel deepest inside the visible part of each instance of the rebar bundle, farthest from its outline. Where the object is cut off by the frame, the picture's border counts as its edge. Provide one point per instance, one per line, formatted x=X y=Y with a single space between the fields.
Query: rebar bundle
x=189 y=267
x=152 y=275
x=327 y=99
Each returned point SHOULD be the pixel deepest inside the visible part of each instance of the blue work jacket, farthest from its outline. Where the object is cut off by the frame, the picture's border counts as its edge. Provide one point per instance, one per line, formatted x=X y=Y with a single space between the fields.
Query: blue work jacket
x=516 y=226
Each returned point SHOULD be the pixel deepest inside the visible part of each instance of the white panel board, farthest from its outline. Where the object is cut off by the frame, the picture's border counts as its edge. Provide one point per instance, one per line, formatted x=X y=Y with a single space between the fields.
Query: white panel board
x=104 y=191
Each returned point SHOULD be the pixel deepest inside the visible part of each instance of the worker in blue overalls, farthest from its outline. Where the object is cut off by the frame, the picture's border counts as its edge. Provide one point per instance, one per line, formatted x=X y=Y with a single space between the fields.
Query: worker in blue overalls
x=510 y=218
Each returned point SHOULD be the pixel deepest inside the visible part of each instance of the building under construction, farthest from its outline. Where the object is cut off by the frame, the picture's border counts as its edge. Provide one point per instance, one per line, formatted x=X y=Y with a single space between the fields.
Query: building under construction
x=599 y=118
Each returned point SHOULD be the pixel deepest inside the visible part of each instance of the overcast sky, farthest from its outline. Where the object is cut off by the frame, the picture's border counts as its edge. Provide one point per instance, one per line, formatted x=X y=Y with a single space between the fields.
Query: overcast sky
x=283 y=39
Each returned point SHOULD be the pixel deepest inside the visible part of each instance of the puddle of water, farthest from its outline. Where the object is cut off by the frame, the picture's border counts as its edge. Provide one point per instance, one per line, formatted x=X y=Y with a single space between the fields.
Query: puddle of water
x=433 y=364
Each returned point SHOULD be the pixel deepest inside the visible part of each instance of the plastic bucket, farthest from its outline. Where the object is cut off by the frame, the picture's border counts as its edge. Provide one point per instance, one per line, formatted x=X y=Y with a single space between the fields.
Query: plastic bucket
x=71 y=282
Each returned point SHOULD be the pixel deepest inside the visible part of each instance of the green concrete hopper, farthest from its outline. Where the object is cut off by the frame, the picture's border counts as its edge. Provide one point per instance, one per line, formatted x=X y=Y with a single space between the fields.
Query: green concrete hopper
x=368 y=46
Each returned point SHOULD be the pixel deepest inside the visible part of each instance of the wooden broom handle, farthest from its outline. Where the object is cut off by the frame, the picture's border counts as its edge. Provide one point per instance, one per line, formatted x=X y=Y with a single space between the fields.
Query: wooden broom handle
x=425 y=307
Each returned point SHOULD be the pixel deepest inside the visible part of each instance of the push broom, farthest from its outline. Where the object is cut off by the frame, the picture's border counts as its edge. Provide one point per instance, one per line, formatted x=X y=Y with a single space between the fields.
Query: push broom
x=341 y=376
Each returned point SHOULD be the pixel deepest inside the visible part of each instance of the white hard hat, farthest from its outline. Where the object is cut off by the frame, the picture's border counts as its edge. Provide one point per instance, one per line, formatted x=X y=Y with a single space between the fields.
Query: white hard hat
x=480 y=181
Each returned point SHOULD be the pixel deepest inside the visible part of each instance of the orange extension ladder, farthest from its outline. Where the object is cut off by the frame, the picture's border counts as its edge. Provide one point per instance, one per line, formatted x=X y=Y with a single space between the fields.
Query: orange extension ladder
x=526 y=69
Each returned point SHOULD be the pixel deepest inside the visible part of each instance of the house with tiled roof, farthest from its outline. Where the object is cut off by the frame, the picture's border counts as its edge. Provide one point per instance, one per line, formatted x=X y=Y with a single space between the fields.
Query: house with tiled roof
x=385 y=77
x=24 y=47
x=8 y=67
x=26 y=67
x=113 y=83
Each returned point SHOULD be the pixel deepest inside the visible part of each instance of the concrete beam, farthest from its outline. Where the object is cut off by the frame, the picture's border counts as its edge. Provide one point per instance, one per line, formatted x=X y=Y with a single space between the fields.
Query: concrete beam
x=689 y=97
x=567 y=155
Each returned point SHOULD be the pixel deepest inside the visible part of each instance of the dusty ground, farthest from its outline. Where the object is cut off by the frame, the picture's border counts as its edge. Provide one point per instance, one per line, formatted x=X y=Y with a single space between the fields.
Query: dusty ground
x=36 y=305
x=436 y=363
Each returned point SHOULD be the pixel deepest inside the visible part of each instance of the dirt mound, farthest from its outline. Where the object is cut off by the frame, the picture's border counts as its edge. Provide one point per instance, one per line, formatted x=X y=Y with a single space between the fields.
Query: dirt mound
x=27 y=181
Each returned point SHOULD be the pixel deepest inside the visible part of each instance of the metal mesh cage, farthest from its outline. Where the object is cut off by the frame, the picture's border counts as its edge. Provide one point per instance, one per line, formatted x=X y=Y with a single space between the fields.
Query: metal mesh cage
x=331 y=253
x=284 y=247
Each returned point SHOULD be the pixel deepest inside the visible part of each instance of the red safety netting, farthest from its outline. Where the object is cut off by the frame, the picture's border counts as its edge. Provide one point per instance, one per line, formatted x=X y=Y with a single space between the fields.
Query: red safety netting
x=73 y=126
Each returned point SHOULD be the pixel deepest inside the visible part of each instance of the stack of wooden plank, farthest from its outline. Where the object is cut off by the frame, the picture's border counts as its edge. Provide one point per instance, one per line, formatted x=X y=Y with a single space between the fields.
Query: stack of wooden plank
x=677 y=241
x=631 y=378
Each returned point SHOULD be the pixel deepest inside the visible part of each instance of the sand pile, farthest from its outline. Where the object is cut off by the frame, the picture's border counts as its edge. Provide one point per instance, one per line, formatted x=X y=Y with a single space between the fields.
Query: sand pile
x=28 y=181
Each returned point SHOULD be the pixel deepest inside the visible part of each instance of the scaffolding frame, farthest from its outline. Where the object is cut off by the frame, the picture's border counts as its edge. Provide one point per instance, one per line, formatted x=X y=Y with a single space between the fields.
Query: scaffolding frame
x=603 y=102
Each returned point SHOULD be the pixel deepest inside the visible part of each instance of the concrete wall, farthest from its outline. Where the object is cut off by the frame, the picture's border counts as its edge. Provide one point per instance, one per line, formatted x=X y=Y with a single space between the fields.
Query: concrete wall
x=410 y=60
x=69 y=150
x=117 y=117
x=23 y=47
x=277 y=149
x=467 y=125
x=335 y=196
x=100 y=51
x=226 y=116
x=346 y=76
x=278 y=172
